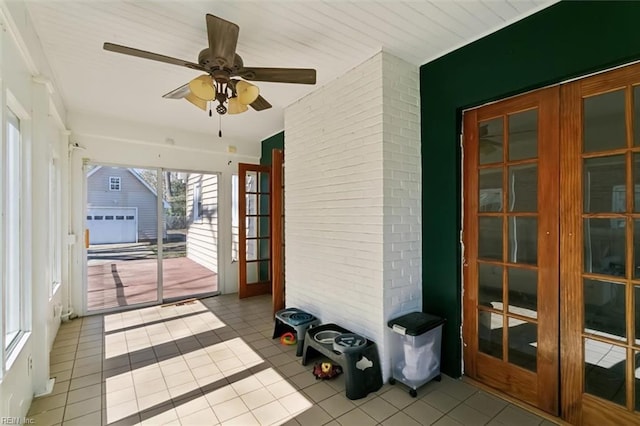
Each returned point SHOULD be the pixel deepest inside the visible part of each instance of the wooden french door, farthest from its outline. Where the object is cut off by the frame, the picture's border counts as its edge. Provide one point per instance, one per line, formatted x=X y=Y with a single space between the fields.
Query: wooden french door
x=261 y=229
x=552 y=248
x=254 y=248
x=511 y=247
x=600 y=248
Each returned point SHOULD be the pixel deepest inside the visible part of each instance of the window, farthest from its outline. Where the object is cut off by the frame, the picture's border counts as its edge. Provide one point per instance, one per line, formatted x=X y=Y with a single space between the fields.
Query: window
x=235 y=221
x=13 y=304
x=55 y=231
x=114 y=183
x=197 y=201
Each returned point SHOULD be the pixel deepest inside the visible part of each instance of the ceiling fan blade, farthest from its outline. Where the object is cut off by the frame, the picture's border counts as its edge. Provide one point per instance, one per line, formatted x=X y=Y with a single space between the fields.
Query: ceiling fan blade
x=178 y=93
x=149 y=55
x=223 y=38
x=280 y=75
x=260 y=103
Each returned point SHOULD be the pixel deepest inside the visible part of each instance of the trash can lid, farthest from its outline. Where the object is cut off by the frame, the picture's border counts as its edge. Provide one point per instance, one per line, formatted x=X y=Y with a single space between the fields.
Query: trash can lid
x=415 y=323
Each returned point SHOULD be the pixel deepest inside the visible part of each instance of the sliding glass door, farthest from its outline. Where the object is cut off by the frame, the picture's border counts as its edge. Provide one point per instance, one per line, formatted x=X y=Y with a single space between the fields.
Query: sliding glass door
x=151 y=235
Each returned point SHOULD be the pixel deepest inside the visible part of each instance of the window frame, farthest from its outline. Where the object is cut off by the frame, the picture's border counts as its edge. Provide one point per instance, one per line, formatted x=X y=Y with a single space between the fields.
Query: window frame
x=15 y=183
x=55 y=228
x=112 y=180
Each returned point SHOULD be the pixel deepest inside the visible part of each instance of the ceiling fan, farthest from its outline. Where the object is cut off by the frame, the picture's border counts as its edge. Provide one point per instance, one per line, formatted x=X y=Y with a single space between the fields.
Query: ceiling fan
x=221 y=63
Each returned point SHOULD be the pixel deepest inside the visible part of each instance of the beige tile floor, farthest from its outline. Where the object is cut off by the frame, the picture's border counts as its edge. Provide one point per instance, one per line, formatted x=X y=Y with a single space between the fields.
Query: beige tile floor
x=212 y=362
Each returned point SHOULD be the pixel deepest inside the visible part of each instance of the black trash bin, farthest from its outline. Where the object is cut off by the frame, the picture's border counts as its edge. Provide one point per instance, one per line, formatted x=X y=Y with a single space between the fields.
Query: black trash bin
x=415 y=349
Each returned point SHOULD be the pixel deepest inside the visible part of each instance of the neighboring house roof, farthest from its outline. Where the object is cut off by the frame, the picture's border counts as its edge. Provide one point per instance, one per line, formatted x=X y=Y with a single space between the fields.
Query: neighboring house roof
x=165 y=203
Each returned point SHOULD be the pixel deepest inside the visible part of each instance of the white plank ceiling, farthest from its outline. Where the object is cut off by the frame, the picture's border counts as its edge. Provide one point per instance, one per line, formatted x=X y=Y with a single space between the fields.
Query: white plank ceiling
x=330 y=36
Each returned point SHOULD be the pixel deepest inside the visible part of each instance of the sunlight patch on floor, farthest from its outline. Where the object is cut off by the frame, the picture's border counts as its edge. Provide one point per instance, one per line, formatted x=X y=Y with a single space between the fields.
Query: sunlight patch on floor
x=204 y=386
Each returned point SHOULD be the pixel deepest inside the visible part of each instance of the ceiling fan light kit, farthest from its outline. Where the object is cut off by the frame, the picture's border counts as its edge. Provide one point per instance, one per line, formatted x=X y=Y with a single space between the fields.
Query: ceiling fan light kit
x=236 y=106
x=220 y=62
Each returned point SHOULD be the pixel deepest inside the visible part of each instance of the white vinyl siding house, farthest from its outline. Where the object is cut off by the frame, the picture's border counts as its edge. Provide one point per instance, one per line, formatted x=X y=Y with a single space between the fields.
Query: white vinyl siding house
x=202 y=212
x=121 y=206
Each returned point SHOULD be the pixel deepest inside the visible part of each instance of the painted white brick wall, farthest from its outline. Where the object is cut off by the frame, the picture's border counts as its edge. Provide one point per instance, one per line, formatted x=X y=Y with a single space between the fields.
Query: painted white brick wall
x=352 y=173
x=402 y=188
x=402 y=191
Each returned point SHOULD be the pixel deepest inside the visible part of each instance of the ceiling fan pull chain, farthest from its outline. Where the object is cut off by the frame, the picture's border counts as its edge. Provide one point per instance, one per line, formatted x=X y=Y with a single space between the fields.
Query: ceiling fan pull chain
x=210 y=112
x=219 y=126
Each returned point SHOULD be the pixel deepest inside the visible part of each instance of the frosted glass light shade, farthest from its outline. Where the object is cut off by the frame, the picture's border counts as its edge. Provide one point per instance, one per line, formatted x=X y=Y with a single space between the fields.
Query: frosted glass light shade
x=200 y=103
x=247 y=92
x=203 y=88
x=236 y=107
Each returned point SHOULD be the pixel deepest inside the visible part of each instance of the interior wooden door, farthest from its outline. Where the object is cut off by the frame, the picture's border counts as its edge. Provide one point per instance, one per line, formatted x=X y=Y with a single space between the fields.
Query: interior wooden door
x=277 y=228
x=510 y=235
x=254 y=249
x=600 y=248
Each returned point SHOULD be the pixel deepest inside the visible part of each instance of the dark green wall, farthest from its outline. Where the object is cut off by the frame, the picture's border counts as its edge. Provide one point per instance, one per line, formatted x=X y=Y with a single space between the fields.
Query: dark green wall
x=567 y=40
x=274 y=142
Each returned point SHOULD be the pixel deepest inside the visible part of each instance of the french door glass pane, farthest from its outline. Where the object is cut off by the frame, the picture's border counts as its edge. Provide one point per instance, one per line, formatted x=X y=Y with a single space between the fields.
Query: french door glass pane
x=490 y=285
x=523 y=240
x=636 y=377
x=491 y=135
x=636 y=178
x=604 y=180
x=604 y=370
x=490 y=238
x=252 y=249
x=523 y=135
x=636 y=295
x=257 y=272
x=604 y=309
x=604 y=246
x=523 y=343
x=604 y=122
x=523 y=188
x=523 y=291
x=636 y=115
x=490 y=185
x=636 y=250
x=252 y=226
x=252 y=204
x=490 y=329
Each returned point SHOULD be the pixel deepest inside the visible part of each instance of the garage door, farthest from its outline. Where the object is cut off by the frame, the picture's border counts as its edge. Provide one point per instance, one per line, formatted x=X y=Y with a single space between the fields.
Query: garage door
x=109 y=225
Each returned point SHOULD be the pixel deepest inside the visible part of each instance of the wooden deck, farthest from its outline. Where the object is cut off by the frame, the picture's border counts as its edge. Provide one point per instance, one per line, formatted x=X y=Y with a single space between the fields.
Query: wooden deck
x=116 y=283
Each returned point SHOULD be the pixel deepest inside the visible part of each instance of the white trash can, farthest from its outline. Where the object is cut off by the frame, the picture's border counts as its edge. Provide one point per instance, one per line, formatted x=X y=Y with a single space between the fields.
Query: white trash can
x=415 y=349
